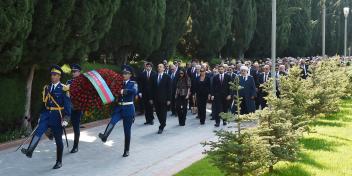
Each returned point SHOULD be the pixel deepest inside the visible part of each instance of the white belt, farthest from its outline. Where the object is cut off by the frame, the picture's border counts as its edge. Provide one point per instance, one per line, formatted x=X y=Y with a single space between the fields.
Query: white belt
x=125 y=103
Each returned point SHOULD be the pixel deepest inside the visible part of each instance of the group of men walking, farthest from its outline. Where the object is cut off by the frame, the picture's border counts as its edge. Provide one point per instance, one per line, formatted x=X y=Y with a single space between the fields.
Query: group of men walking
x=170 y=87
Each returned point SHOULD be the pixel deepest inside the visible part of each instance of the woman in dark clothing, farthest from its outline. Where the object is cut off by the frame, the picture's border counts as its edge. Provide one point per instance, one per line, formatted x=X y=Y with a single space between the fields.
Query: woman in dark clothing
x=183 y=87
x=202 y=90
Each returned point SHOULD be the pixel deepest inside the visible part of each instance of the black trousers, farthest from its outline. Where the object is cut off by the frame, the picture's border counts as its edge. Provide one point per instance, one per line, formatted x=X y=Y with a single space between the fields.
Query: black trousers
x=202 y=104
x=173 y=104
x=148 y=110
x=161 y=112
x=181 y=108
x=220 y=105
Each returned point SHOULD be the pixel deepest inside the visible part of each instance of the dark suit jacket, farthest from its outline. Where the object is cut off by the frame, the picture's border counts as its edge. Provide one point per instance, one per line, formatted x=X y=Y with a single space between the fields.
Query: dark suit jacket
x=221 y=90
x=162 y=92
x=304 y=74
x=145 y=85
x=261 y=81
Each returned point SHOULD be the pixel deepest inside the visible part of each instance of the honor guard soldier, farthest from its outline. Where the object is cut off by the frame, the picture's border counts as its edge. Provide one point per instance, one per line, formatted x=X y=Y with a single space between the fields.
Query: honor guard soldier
x=76 y=114
x=54 y=115
x=124 y=110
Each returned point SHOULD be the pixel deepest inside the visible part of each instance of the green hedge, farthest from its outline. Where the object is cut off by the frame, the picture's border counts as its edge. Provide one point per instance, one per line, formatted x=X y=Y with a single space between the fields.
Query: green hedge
x=12 y=96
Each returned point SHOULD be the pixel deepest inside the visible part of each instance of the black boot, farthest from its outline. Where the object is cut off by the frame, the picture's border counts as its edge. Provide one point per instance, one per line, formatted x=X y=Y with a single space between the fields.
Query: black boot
x=75 y=144
x=107 y=132
x=126 y=152
x=58 y=163
x=29 y=151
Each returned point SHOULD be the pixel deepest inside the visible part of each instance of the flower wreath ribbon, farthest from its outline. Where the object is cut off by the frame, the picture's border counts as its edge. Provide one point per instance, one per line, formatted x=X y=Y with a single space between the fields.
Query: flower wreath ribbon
x=100 y=86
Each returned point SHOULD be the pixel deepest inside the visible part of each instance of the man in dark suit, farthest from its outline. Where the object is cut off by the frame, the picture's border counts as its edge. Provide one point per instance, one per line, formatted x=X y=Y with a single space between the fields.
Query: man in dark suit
x=304 y=69
x=161 y=95
x=248 y=91
x=174 y=76
x=263 y=78
x=220 y=94
x=145 y=83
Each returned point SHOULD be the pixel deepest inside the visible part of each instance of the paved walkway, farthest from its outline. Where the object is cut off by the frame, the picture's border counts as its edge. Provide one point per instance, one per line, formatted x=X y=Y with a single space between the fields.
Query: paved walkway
x=150 y=154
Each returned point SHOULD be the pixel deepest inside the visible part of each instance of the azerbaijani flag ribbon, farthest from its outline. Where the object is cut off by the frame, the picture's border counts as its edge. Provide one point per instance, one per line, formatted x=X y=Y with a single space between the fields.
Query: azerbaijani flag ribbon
x=100 y=85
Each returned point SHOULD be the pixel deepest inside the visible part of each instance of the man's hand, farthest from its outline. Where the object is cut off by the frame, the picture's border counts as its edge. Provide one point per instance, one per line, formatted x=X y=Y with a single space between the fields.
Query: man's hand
x=121 y=92
x=212 y=98
x=140 y=95
x=228 y=97
x=168 y=103
x=252 y=97
x=187 y=97
x=151 y=102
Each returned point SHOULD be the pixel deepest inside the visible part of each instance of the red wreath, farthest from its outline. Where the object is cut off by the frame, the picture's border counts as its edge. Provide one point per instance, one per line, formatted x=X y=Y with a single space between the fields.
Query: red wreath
x=86 y=98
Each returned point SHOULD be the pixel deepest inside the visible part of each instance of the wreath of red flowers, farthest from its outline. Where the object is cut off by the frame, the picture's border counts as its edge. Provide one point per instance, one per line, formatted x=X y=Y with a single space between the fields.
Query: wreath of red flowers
x=86 y=98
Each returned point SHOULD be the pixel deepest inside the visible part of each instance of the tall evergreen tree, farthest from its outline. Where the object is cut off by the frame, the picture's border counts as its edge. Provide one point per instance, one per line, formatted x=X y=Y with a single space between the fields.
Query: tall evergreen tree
x=301 y=29
x=177 y=13
x=260 y=45
x=16 y=24
x=243 y=27
x=136 y=29
x=211 y=25
x=89 y=23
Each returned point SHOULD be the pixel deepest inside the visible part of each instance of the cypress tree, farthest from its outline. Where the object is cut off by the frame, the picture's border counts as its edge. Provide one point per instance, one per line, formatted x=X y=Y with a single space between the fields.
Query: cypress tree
x=89 y=23
x=16 y=23
x=177 y=13
x=243 y=27
x=136 y=29
x=211 y=25
x=301 y=29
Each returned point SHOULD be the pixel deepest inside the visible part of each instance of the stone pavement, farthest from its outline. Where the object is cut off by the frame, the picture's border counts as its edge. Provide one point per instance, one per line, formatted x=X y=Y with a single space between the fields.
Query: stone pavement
x=150 y=154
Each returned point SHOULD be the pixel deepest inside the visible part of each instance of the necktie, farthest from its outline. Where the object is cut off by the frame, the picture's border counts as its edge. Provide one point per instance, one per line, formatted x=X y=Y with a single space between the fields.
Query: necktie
x=159 y=78
x=148 y=74
x=221 y=78
x=52 y=88
x=265 y=77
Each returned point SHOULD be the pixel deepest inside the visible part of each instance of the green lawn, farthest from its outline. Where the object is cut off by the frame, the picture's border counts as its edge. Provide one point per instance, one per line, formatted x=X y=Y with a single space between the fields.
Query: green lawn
x=328 y=152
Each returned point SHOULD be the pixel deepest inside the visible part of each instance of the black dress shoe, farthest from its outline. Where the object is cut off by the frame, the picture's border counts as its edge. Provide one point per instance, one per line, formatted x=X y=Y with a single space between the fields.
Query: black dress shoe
x=27 y=152
x=74 y=150
x=224 y=123
x=102 y=137
x=57 y=165
x=160 y=131
x=146 y=123
x=217 y=125
x=151 y=123
x=202 y=123
x=126 y=154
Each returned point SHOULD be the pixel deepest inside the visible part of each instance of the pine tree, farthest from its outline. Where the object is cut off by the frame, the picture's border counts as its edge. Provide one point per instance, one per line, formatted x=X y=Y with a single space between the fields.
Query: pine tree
x=276 y=127
x=240 y=152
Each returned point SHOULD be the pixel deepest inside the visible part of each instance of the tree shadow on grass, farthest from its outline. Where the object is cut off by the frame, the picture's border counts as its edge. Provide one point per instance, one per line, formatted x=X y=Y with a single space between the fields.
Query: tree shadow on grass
x=293 y=170
x=318 y=144
x=328 y=123
x=307 y=160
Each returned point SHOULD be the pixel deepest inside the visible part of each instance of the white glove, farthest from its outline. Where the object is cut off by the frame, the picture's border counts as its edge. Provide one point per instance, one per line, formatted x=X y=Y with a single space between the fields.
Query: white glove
x=64 y=123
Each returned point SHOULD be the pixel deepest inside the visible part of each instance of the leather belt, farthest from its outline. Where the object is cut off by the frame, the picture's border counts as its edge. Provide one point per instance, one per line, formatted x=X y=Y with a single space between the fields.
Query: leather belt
x=55 y=108
x=125 y=103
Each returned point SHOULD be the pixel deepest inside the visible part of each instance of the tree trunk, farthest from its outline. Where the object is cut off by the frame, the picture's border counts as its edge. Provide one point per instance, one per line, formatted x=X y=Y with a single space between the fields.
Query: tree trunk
x=27 y=108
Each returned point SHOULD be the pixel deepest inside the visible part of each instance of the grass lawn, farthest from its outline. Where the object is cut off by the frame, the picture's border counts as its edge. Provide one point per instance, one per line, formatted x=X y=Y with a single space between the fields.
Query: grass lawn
x=328 y=152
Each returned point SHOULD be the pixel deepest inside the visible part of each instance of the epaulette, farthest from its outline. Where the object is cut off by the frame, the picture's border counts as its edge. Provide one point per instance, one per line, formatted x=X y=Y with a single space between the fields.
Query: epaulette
x=65 y=87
